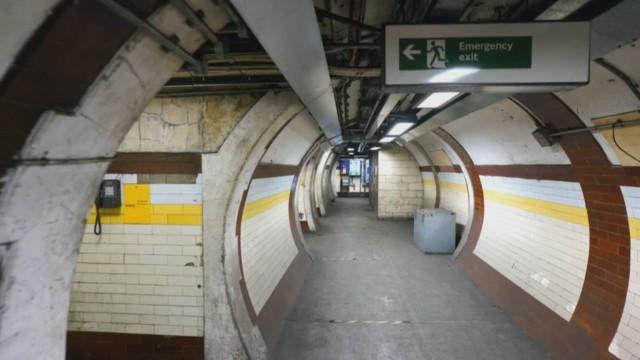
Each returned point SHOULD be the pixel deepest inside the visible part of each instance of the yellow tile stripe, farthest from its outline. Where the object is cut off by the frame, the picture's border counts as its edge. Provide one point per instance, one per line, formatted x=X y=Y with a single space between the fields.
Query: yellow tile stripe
x=153 y=214
x=453 y=186
x=572 y=214
x=429 y=182
x=261 y=205
x=137 y=209
x=634 y=228
x=446 y=185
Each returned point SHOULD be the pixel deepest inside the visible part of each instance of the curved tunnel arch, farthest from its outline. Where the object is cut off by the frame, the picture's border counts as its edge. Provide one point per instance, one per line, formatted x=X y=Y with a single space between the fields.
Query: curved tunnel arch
x=508 y=151
x=229 y=325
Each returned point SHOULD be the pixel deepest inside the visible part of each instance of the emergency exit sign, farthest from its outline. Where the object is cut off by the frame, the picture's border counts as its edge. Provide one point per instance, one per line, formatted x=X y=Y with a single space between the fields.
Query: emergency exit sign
x=512 y=52
x=467 y=57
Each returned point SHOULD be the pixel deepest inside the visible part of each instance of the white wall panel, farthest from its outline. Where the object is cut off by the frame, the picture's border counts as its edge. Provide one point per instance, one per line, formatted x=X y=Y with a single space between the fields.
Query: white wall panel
x=293 y=141
x=134 y=279
x=267 y=244
x=501 y=134
x=454 y=195
x=606 y=94
x=626 y=342
x=430 y=191
x=529 y=241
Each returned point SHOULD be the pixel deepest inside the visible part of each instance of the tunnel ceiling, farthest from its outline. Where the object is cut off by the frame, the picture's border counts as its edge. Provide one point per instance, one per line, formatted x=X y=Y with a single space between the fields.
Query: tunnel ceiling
x=352 y=37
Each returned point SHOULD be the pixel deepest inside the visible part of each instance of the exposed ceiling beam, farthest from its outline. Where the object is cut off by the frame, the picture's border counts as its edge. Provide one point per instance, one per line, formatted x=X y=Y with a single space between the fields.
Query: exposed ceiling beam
x=329 y=15
x=561 y=9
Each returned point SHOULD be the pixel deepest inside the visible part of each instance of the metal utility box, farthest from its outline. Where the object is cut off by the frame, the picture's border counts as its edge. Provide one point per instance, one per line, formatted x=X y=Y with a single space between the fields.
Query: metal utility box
x=434 y=231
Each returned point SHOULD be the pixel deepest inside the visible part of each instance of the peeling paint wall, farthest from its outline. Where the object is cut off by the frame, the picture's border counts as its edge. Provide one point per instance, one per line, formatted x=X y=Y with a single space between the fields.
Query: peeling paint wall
x=187 y=124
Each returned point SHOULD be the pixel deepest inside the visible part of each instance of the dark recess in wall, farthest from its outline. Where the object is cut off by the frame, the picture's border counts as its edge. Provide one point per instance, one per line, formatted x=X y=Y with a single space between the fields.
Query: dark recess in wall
x=115 y=346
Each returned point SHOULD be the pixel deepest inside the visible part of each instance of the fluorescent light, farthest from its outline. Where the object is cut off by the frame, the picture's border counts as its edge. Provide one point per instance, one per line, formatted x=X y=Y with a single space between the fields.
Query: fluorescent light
x=399 y=128
x=452 y=75
x=437 y=99
x=387 y=139
x=350 y=149
x=375 y=148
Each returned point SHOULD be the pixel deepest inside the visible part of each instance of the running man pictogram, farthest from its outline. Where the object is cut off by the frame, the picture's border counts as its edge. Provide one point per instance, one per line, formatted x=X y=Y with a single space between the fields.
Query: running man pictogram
x=436 y=54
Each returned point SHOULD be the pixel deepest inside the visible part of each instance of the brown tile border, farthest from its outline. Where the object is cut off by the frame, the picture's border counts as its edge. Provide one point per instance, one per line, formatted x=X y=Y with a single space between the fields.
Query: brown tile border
x=601 y=302
x=243 y=285
x=533 y=317
x=156 y=163
x=478 y=203
x=273 y=170
x=83 y=345
x=535 y=172
x=304 y=225
x=442 y=168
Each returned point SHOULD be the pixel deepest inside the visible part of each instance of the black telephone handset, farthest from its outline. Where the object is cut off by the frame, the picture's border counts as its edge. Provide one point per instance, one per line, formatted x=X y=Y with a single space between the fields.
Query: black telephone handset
x=108 y=197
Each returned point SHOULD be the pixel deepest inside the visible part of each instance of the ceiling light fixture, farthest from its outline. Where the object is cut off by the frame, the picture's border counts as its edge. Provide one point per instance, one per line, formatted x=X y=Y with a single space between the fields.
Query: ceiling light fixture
x=387 y=139
x=350 y=149
x=452 y=75
x=437 y=99
x=375 y=148
x=399 y=128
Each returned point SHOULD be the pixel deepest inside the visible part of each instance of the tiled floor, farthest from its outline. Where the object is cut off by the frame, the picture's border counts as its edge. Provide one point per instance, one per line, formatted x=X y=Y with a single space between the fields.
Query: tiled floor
x=369 y=270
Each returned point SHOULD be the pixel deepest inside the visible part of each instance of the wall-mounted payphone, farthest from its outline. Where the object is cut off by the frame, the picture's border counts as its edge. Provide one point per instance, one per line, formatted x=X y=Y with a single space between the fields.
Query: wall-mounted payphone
x=109 y=197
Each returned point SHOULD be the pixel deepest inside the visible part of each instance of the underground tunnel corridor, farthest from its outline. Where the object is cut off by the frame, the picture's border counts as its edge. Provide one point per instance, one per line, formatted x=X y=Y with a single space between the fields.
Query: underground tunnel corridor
x=237 y=179
x=372 y=294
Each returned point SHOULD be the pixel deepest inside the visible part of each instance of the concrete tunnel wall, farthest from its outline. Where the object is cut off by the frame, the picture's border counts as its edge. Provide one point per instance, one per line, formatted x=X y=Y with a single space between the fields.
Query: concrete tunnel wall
x=44 y=260
x=550 y=233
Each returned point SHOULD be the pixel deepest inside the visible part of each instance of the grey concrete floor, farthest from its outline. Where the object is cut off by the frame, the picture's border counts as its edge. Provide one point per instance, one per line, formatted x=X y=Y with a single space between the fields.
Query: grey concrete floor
x=369 y=270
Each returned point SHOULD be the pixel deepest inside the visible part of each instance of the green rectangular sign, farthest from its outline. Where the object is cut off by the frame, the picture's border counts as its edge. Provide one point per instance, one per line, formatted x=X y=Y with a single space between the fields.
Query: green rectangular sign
x=512 y=52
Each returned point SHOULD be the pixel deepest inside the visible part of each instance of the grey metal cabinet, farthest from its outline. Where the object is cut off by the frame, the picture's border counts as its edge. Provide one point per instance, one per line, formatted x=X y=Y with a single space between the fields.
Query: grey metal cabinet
x=434 y=230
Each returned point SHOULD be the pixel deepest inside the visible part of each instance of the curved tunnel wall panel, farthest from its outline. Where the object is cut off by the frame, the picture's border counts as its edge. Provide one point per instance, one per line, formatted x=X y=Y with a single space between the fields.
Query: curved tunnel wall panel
x=454 y=195
x=626 y=342
x=267 y=245
x=607 y=95
x=536 y=234
x=501 y=135
x=93 y=128
x=293 y=141
x=430 y=189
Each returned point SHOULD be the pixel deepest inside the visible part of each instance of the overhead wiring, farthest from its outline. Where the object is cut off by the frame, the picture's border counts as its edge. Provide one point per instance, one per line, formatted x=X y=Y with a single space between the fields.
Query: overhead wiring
x=615 y=141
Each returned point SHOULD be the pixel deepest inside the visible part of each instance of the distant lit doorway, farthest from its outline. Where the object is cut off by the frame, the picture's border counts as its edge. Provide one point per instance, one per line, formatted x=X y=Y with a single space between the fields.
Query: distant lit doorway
x=353 y=177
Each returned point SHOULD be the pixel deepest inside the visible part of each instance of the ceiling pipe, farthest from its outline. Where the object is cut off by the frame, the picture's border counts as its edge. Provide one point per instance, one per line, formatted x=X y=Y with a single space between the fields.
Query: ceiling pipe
x=289 y=32
x=329 y=15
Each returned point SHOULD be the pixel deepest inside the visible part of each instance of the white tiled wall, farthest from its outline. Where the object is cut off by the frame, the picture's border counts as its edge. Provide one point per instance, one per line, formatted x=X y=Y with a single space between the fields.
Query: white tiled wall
x=267 y=244
x=626 y=342
x=294 y=140
x=400 y=185
x=139 y=279
x=176 y=193
x=429 y=189
x=532 y=244
x=454 y=195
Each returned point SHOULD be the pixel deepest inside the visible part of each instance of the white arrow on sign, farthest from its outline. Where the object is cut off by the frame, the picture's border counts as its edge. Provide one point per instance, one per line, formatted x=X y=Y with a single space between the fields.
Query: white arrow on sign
x=409 y=51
